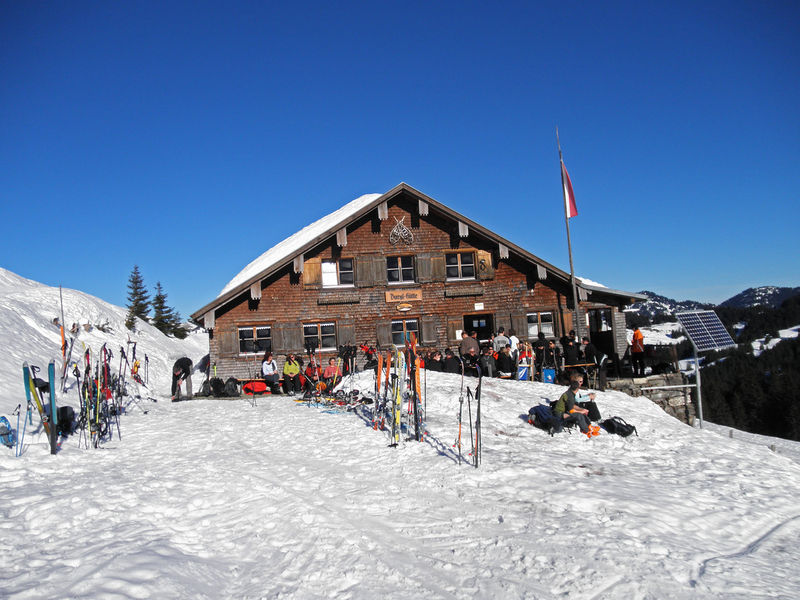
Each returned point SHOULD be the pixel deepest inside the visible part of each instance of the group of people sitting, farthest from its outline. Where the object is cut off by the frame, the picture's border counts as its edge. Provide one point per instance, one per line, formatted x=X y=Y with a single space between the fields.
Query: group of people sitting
x=501 y=355
x=296 y=378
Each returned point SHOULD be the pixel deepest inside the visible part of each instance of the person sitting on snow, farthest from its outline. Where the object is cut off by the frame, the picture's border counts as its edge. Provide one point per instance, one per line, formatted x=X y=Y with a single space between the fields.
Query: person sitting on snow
x=505 y=363
x=567 y=409
x=181 y=371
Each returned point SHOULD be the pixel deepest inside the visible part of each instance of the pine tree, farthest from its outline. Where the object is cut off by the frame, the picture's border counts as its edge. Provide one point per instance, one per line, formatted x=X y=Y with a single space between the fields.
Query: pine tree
x=166 y=319
x=138 y=299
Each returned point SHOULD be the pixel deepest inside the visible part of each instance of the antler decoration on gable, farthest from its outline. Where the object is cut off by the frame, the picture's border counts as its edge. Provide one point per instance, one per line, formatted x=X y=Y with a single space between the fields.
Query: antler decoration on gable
x=401 y=233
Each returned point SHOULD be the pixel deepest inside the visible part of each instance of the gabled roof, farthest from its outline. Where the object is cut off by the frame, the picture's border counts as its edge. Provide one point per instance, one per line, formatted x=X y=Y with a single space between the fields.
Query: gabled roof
x=307 y=238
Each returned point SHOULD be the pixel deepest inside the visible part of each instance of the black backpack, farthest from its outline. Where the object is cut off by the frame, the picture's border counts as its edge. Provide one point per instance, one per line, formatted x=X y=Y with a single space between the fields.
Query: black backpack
x=232 y=387
x=619 y=426
x=217 y=387
x=66 y=420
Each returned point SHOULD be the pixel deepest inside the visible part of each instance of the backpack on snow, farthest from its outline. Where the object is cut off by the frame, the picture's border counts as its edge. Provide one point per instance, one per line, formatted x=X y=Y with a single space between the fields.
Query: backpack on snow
x=542 y=416
x=217 y=387
x=232 y=387
x=619 y=426
x=66 y=420
x=8 y=437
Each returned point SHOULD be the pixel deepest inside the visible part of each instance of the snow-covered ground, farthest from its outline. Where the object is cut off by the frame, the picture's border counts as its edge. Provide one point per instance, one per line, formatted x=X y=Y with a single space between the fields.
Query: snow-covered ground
x=762 y=344
x=218 y=498
x=660 y=334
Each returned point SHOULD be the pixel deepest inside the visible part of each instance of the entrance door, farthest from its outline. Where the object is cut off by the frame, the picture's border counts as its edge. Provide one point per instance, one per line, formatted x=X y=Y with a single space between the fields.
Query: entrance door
x=600 y=330
x=483 y=324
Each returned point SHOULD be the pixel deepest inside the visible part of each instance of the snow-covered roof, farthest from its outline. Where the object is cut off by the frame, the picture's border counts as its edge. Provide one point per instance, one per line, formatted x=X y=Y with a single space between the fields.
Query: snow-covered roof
x=286 y=249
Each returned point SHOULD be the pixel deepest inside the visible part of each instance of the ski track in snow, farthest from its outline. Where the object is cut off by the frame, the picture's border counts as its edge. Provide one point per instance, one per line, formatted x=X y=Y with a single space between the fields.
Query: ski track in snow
x=222 y=499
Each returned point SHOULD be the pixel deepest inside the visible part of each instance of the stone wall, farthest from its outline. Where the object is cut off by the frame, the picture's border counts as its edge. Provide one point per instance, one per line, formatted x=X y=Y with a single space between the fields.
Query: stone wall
x=675 y=402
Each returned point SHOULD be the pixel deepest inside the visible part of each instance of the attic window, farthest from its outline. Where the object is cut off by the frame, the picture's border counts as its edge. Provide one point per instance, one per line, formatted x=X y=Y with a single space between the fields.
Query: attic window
x=337 y=272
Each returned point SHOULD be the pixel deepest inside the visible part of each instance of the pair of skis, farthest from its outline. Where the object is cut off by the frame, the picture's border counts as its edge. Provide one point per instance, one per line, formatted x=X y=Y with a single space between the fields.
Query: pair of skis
x=49 y=422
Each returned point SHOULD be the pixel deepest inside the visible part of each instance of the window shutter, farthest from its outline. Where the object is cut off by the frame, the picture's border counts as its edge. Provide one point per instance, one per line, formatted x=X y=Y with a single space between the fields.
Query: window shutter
x=379 y=270
x=278 y=343
x=312 y=273
x=437 y=267
x=453 y=325
x=345 y=333
x=293 y=337
x=484 y=266
x=384 y=334
x=229 y=342
x=519 y=323
x=422 y=264
x=363 y=265
x=429 y=330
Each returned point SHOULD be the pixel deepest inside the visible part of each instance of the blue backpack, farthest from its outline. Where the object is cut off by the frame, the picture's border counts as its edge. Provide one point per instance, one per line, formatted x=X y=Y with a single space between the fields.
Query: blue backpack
x=542 y=416
x=8 y=437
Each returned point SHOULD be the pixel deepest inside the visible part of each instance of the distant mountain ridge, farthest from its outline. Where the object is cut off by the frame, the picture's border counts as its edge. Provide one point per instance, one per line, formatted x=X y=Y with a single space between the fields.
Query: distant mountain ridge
x=767 y=295
x=658 y=308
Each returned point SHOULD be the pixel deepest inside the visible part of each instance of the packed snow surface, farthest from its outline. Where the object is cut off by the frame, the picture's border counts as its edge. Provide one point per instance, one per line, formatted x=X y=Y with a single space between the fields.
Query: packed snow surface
x=216 y=498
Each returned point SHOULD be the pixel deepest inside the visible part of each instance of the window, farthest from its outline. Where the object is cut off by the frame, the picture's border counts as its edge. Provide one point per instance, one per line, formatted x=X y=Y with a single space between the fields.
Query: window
x=399 y=269
x=337 y=272
x=255 y=339
x=542 y=321
x=322 y=335
x=460 y=265
x=402 y=330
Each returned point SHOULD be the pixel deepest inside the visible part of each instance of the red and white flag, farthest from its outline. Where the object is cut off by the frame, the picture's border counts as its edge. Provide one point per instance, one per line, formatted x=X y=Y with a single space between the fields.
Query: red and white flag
x=569 y=195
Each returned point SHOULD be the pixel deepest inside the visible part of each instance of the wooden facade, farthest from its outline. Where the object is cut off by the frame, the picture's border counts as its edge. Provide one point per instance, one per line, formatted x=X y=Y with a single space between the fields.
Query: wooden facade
x=402 y=263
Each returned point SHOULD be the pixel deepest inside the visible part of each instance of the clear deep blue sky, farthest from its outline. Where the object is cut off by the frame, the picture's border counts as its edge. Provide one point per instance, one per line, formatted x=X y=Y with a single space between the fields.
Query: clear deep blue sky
x=190 y=137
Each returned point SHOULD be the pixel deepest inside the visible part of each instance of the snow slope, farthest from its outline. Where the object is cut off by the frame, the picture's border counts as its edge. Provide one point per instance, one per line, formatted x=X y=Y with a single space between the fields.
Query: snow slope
x=222 y=499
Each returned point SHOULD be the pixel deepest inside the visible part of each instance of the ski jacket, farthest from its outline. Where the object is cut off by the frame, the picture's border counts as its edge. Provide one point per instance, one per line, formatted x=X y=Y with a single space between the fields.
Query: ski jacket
x=637 y=345
x=291 y=368
x=185 y=365
x=505 y=363
x=452 y=365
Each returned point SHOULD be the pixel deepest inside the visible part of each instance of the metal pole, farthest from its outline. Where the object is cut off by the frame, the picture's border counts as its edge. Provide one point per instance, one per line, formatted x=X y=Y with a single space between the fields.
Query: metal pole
x=699 y=387
x=577 y=323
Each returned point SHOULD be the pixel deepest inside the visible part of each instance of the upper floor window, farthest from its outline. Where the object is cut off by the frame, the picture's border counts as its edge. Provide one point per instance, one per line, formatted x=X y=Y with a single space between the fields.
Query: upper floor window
x=337 y=272
x=541 y=321
x=399 y=269
x=460 y=265
x=255 y=340
x=322 y=336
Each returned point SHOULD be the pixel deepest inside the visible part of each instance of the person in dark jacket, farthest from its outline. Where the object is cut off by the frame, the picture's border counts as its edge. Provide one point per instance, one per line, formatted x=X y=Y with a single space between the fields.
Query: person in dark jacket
x=487 y=363
x=572 y=354
x=539 y=348
x=435 y=362
x=181 y=371
x=452 y=364
x=505 y=362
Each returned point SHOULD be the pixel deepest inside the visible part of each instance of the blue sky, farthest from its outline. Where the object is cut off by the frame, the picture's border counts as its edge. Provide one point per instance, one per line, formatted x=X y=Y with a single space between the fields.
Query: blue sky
x=190 y=137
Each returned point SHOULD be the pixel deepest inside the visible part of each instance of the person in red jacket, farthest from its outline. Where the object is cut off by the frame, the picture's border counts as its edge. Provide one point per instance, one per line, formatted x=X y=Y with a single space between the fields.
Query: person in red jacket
x=637 y=352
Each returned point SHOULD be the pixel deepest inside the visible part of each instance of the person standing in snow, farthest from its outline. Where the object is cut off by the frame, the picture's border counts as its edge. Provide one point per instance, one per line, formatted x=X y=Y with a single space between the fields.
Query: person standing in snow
x=500 y=341
x=269 y=370
x=637 y=352
x=181 y=371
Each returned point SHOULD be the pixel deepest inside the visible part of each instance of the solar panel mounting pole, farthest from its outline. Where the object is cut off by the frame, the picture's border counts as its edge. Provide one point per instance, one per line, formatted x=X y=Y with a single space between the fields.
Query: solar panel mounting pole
x=698 y=386
x=569 y=243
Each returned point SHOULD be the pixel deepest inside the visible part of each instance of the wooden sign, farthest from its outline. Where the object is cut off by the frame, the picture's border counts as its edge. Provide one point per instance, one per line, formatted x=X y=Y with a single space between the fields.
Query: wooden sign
x=404 y=295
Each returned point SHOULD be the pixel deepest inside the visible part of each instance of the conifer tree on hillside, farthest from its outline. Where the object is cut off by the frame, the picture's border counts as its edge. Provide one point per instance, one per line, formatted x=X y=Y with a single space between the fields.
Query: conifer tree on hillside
x=165 y=318
x=138 y=299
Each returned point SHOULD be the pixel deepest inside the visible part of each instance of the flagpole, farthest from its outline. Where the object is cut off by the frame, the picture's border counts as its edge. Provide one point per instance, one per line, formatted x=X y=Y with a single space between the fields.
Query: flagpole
x=577 y=323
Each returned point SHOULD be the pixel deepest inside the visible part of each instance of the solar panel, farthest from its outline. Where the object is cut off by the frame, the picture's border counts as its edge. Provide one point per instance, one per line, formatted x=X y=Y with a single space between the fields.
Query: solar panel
x=705 y=330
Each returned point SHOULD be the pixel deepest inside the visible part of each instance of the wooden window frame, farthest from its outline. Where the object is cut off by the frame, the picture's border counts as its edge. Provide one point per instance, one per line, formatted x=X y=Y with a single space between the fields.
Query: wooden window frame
x=405 y=331
x=254 y=329
x=538 y=323
x=460 y=265
x=401 y=269
x=339 y=272
x=319 y=335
